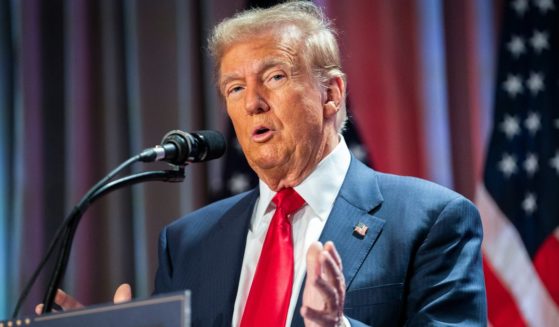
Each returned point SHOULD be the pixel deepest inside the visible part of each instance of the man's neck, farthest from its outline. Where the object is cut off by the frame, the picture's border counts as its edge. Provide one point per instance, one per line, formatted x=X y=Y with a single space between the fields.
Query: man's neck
x=283 y=177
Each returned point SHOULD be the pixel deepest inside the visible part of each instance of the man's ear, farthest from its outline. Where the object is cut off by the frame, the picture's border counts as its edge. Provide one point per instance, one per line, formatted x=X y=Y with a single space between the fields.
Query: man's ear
x=334 y=96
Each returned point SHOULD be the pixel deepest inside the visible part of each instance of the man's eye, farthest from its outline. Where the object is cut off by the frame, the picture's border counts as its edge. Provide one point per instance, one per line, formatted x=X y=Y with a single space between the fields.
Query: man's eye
x=278 y=77
x=235 y=89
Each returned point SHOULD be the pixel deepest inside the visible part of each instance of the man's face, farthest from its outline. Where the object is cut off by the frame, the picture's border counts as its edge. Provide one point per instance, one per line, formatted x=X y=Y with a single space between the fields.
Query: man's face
x=277 y=109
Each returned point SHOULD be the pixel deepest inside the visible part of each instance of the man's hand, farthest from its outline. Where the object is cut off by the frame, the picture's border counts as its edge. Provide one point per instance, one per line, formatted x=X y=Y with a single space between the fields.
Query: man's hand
x=122 y=294
x=324 y=293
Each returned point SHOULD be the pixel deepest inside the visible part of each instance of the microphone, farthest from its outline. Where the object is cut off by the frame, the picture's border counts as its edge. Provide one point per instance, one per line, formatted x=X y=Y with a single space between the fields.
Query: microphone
x=181 y=148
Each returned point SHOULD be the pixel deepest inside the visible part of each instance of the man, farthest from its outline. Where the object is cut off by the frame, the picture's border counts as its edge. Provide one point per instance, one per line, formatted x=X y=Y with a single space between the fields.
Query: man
x=397 y=250
x=415 y=258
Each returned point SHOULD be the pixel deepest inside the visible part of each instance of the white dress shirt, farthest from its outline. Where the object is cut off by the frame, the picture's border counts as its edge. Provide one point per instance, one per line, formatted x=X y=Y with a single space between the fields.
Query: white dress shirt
x=319 y=190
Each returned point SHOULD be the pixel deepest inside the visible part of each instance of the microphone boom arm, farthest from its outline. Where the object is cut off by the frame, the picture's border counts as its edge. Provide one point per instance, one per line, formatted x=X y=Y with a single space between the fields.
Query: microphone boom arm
x=173 y=176
x=177 y=148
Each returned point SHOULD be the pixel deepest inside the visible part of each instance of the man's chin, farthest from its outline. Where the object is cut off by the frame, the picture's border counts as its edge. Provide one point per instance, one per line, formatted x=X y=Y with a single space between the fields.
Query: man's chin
x=265 y=165
x=268 y=164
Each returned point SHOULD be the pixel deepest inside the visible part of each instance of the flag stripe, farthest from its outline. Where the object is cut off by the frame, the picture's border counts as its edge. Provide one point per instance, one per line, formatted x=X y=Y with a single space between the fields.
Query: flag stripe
x=503 y=247
x=546 y=263
x=502 y=309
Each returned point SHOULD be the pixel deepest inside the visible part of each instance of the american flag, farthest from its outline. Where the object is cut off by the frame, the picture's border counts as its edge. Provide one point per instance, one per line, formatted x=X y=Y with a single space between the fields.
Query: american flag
x=519 y=196
x=361 y=229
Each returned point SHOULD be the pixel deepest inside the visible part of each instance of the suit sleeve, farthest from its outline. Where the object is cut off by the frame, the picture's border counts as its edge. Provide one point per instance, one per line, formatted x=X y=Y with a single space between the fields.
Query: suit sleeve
x=446 y=284
x=165 y=268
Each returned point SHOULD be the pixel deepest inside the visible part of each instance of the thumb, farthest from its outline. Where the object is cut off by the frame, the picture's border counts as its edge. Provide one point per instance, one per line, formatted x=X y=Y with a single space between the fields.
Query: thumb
x=123 y=294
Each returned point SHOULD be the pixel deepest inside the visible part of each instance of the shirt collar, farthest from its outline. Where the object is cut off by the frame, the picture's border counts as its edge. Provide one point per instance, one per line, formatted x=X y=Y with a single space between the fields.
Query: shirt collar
x=327 y=177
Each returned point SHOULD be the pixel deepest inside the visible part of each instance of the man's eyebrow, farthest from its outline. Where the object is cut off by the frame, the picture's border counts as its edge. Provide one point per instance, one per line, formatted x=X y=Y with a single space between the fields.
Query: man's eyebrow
x=272 y=62
x=226 y=79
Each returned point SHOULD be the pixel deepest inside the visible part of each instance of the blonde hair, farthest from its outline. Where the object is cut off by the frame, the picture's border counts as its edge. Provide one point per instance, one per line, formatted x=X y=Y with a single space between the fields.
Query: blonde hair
x=319 y=47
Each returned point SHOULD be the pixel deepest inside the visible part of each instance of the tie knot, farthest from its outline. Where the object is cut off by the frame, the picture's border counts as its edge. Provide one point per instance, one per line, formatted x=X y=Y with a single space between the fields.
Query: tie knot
x=288 y=200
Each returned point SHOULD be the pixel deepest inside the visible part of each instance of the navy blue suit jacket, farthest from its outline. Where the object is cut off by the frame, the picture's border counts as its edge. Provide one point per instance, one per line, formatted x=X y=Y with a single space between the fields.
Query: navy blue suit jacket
x=418 y=265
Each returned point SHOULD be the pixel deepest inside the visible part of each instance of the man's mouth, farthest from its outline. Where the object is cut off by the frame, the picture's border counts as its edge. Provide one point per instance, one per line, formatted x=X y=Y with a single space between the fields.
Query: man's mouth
x=262 y=134
x=261 y=130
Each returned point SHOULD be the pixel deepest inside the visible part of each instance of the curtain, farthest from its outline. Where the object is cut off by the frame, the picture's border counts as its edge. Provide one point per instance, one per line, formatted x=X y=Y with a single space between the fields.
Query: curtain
x=85 y=85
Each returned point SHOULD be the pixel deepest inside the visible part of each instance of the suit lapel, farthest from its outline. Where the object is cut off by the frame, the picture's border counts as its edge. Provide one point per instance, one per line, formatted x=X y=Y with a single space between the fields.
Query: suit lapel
x=358 y=197
x=229 y=241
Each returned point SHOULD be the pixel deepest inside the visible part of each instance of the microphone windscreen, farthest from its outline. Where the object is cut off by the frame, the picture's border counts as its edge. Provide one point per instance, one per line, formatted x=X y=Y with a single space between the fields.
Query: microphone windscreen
x=215 y=143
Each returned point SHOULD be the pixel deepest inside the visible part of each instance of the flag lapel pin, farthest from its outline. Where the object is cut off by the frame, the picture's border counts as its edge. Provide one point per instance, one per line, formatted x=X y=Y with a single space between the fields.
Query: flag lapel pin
x=360 y=230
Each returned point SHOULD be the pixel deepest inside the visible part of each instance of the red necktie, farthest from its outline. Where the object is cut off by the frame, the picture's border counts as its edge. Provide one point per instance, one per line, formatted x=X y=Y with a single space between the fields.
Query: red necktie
x=270 y=292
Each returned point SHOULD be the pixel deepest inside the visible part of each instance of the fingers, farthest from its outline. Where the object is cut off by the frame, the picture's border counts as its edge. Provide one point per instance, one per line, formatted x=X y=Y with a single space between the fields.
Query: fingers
x=332 y=264
x=325 y=286
x=329 y=246
x=320 y=318
x=332 y=282
x=39 y=309
x=123 y=294
x=313 y=263
x=329 y=294
x=66 y=301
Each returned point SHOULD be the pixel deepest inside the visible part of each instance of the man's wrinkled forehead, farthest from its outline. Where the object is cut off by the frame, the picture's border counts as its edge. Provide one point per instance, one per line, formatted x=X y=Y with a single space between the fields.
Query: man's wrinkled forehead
x=286 y=34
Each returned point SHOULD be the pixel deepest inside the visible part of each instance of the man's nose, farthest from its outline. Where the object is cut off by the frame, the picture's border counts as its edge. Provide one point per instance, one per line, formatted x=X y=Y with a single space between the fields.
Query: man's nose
x=255 y=102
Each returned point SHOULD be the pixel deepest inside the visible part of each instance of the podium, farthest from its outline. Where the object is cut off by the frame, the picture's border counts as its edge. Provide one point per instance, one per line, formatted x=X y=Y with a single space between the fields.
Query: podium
x=169 y=310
